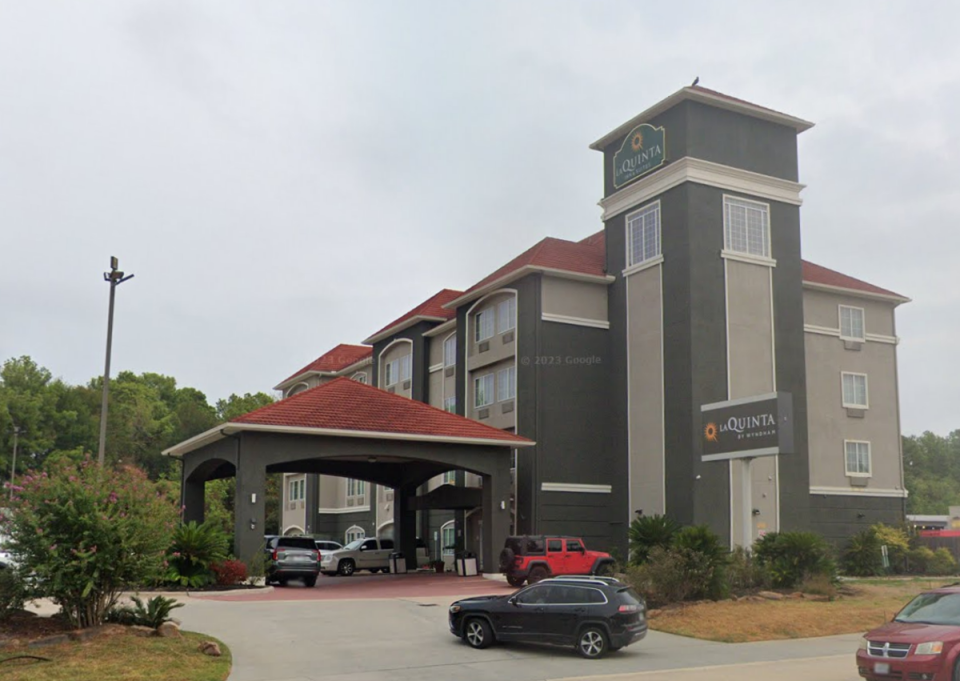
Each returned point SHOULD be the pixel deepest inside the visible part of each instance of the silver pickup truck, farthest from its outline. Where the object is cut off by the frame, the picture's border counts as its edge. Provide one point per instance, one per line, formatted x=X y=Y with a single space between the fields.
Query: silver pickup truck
x=361 y=554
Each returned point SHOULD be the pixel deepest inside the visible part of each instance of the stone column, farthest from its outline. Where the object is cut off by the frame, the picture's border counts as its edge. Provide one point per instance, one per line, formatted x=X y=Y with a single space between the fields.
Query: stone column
x=405 y=523
x=249 y=509
x=496 y=508
x=192 y=497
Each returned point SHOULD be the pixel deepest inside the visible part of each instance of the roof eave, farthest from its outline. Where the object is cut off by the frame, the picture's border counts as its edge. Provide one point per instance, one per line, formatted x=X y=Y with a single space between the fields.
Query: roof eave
x=694 y=94
x=397 y=328
x=520 y=274
x=886 y=297
x=196 y=442
x=437 y=330
x=293 y=380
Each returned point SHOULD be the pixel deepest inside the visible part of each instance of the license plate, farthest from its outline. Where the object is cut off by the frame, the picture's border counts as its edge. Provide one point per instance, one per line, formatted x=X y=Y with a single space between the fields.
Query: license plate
x=301 y=559
x=881 y=668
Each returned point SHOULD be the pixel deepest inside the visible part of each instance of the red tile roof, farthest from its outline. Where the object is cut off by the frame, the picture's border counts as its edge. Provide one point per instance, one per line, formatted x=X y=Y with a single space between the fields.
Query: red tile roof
x=557 y=254
x=343 y=404
x=817 y=274
x=432 y=307
x=598 y=239
x=339 y=358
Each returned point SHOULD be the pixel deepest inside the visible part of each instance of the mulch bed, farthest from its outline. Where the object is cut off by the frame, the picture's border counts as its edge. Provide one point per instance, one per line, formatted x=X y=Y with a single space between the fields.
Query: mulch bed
x=27 y=626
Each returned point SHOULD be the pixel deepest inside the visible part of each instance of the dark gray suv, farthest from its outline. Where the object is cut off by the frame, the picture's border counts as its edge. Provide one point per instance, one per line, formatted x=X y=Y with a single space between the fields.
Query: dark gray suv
x=292 y=558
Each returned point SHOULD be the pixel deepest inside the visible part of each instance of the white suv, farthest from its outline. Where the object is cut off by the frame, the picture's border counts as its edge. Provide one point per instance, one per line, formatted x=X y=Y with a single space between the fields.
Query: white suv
x=361 y=554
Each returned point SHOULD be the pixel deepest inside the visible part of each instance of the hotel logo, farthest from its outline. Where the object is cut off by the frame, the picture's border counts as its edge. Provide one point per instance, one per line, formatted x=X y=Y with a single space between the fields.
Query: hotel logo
x=643 y=150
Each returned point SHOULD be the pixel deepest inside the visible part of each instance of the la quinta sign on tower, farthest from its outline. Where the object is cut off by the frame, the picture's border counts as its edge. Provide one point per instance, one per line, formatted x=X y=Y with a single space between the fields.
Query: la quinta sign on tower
x=643 y=150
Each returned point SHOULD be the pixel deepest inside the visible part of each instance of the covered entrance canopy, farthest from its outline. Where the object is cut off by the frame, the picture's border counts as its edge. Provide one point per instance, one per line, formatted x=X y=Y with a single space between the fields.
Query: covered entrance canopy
x=349 y=429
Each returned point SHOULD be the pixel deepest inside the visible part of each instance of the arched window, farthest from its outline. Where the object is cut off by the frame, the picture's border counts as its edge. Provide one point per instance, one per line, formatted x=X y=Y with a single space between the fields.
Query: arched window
x=448 y=537
x=354 y=533
x=360 y=377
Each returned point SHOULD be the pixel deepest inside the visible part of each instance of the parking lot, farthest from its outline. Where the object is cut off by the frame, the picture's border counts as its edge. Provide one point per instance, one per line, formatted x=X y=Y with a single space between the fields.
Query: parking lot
x=394 y=627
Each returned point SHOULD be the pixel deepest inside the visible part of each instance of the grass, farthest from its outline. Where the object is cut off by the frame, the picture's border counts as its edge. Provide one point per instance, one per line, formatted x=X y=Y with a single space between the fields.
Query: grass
x=862 y=605
x=120 y=656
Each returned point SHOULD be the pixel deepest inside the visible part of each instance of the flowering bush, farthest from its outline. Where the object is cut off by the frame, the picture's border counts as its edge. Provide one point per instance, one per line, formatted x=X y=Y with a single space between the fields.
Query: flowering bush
x=229 y=572
x=88 y=532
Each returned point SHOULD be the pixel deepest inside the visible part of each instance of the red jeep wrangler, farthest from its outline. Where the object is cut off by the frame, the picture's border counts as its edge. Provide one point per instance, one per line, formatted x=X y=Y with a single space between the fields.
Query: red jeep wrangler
x=531 y=558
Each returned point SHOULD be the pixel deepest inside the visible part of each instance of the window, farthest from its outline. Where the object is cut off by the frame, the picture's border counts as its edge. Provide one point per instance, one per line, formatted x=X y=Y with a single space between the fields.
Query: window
x=554 y=545
x=391 y=372
x=450 y=478
x=355 y=534
x=746 y=227
x=507 y=314
x=360 y=377
x=857 y=458
x=297 y=490
x=851 y=323
x=854 y=390
x=450 y=351
x=483 y=391
x=386 y=543
x=484 y=322
x=643 y=235
x=369 y=545
x=356 y=488
x=574 y=545
x=450 y=404
x=404 y=370
x=506 y=384
x=448 y=538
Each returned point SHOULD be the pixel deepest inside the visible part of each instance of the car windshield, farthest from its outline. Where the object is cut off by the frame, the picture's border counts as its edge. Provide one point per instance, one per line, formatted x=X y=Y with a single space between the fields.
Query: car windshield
x=354 y=545
x=932 y=608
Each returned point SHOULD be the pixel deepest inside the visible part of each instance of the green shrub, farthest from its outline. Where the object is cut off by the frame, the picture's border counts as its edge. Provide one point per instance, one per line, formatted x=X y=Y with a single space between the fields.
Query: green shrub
x=152 y=614
x=194 y=551
x=821 y=585
x=12 y=592
x=862 y=556
x=87 y=532
x=919 y=559
x=704 y=552
x=670 y=576
x=647 y=532
x=897 y=541
x=744 y=573
x=942 y=563
x=790 y=557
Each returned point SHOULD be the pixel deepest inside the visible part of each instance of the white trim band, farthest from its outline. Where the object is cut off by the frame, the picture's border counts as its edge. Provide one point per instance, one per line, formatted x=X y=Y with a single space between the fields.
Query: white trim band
x=348 y=509
x=581 y=488
x=868 y=338
x=747 y=258
x=641 y=266
x=696 y=170
x=576 y=321
x=859 y=492
x=739 y=400
x=436 y=367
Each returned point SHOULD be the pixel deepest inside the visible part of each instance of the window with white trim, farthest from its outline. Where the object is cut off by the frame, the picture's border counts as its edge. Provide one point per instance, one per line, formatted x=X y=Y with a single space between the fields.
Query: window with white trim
x=360 y=377
x=354 y=533
x=391 y=372
x=405 y=363
x=484 y=323
x=450 y=404
x=854 y=390
x=450 y=478
x=857 y=455
x=448 y=538
x=356 y=488
x=483 y=391
x=643 y=234
x=851 y=323
x=298 y=490
x=507 y=314
x=506 y=384
x=450 y=351
x=746 y=227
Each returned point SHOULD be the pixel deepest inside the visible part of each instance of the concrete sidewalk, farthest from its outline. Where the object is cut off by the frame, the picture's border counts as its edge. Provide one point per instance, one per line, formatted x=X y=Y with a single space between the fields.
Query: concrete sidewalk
x=832 y=668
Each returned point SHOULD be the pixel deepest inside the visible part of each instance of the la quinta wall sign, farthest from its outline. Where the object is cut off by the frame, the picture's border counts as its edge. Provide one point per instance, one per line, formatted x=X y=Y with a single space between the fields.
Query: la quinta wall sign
x=748 y=427
x=643 y=150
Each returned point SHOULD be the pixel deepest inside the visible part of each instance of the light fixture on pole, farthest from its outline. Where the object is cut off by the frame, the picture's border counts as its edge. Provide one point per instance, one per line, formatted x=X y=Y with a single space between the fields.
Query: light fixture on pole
x=115 y=277
x=13 y=466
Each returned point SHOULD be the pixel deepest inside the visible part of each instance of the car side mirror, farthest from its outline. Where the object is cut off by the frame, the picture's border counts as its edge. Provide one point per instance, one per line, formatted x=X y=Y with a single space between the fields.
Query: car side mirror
x=363 y=548
x=512 y=600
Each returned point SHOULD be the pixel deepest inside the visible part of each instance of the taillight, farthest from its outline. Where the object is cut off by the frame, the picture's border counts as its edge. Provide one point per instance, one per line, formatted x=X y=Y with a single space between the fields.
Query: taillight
x=318 y=556
x=276 y=554
x=629 y=608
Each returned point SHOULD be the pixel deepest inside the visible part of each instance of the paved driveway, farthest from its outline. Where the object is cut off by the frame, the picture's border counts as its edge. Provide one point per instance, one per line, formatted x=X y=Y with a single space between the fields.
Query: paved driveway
x=312 y=635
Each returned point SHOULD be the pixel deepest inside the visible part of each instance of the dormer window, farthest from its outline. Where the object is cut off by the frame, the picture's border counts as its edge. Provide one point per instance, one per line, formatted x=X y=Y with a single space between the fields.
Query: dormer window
x=485 y=324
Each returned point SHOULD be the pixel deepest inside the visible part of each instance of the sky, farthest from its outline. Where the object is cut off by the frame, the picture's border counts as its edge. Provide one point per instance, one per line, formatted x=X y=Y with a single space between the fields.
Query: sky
x=285 y=176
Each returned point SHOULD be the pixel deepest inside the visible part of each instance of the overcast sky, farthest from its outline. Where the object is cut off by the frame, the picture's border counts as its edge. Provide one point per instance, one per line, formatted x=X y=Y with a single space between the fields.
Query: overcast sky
x=285 y=176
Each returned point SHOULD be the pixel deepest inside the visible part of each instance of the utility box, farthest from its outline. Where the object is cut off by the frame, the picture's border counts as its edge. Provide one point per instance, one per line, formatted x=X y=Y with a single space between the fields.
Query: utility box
x=467 y=564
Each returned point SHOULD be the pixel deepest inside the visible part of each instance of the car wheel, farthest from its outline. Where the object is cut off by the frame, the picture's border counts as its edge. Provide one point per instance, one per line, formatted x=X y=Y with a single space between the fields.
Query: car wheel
x=346 y=568
x=282 y=581
x=592 y=643
x=310 y=582
x=605 y=570
x=507 y=557
x=477 y=633
x=515 y=582
x=536 y=574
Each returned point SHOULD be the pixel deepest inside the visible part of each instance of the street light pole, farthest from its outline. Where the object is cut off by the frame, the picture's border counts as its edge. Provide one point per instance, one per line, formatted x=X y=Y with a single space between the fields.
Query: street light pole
x=13 y=466
x=115 y=277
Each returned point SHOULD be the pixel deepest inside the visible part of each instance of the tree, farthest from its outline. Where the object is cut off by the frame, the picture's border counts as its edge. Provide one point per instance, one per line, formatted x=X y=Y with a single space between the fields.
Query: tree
x=931 y=466
x=28 y=401
x=235 y=406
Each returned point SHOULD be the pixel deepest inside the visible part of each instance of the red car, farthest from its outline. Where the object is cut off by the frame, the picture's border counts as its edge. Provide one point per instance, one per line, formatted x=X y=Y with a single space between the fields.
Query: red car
x=531 y=558
x=922 y=643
